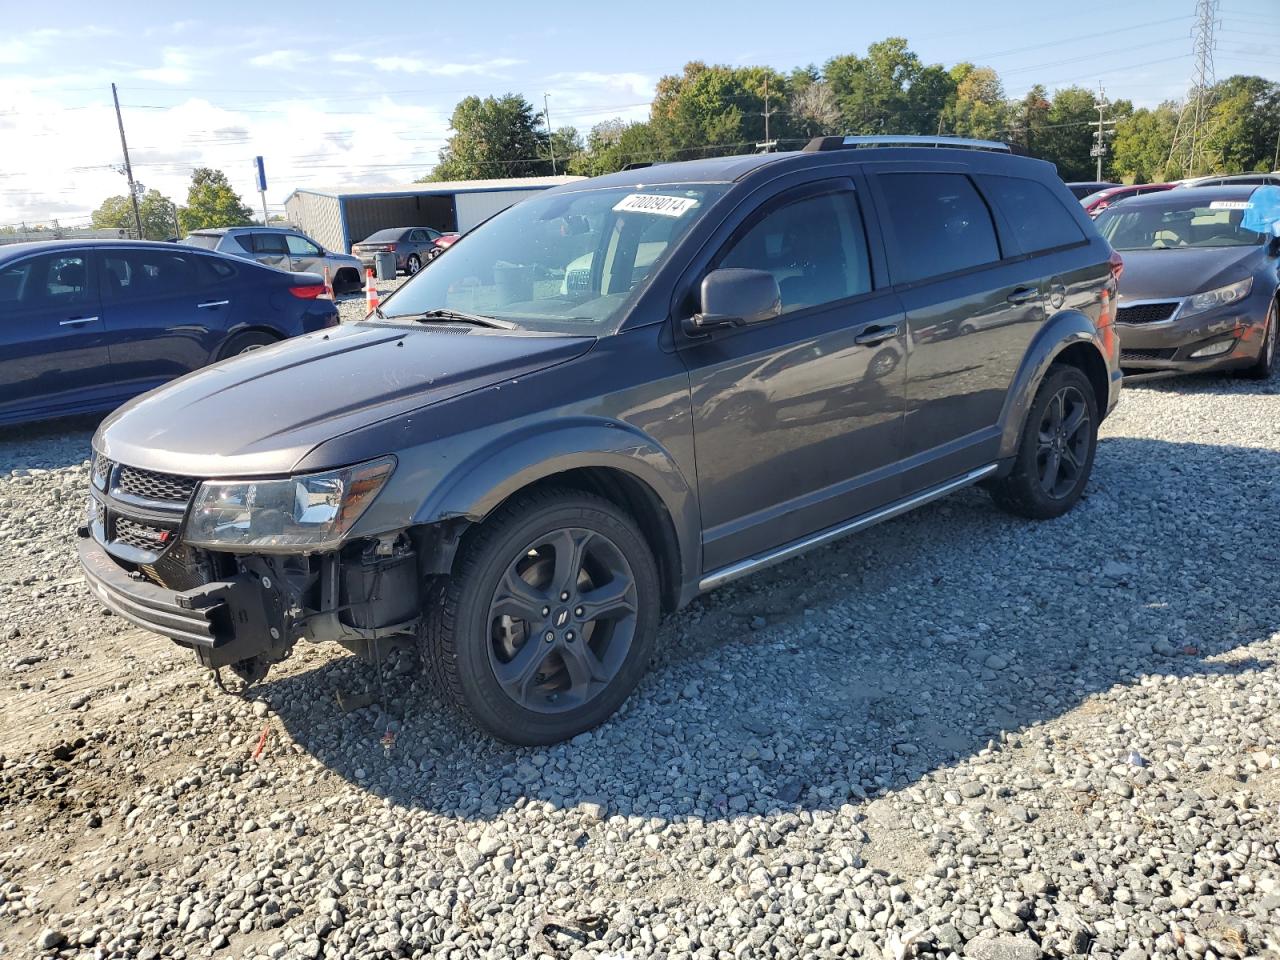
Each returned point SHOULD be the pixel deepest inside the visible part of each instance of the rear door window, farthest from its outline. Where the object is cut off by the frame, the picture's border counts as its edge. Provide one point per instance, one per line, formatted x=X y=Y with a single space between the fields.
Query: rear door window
x=1038 y=219
x=133 y=275
x=270 y=243
x=937 y=223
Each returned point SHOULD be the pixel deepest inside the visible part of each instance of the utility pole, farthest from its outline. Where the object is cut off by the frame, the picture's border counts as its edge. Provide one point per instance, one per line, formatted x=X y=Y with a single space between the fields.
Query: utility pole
x=128 y=168
x=768 y=144
x=1191 y=134
x=1100 y=148
x=551 y=138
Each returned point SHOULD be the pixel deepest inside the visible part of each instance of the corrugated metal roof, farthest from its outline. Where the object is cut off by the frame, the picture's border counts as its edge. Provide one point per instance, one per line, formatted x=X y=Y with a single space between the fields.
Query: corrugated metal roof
x=442 y=186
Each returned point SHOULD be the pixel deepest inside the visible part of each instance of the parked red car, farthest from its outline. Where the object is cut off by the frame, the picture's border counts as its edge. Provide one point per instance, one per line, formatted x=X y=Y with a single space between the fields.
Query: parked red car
x=441 y=244
x=1095 y=203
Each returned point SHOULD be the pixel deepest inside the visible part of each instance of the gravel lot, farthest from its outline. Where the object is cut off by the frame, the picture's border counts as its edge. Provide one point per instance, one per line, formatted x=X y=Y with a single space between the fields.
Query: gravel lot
x=957 y=734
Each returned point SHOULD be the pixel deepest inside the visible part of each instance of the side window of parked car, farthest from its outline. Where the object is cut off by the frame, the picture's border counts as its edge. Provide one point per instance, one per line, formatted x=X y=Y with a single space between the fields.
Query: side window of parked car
x=301 y=246
x=938 y=223
x=815 y=248
x=144 y=274
x=245 y=242
x=50 y=281
x=1038 y=218
x=270 y=243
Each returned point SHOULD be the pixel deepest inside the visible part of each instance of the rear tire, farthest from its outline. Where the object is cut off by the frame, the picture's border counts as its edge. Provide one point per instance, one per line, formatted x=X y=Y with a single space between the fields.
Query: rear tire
x=246 y=343
x=1056 y=450
x=1265 y=365
x=346 y=281
x=412 y=265
x=506 y=648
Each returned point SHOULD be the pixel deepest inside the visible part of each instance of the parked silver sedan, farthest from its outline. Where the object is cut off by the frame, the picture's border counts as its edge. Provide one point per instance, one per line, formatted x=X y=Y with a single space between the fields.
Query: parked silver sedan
x=411 y=245
x=284 y=248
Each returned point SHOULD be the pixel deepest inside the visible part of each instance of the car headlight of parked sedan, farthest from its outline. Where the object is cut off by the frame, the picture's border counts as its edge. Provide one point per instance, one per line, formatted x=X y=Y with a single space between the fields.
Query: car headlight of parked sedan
x=313 y=511
x=1220 y=297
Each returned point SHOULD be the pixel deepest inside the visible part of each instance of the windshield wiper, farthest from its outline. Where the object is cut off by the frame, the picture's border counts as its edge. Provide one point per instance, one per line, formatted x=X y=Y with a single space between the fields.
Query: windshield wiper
x=456 y=316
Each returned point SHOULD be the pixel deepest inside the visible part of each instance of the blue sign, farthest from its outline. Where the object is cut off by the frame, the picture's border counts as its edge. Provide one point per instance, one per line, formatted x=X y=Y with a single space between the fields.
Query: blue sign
x=262 y=174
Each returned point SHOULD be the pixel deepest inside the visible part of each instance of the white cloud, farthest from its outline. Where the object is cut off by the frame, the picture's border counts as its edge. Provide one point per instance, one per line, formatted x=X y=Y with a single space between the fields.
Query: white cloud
x=435 y=68
x=281 y=59
x=175 y=68
x=585 y=98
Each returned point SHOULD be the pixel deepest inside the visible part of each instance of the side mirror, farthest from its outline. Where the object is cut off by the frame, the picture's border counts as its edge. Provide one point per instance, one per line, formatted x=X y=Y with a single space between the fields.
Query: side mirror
x=735 y=297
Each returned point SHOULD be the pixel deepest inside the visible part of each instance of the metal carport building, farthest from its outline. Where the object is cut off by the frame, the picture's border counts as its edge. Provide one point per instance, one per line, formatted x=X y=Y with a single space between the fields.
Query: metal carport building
x=338 y=218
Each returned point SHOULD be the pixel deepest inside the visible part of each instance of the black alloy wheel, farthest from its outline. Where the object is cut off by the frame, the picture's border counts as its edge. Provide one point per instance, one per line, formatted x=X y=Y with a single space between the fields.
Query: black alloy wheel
x=561 y=620
x=548 y=619
x=1063 y=442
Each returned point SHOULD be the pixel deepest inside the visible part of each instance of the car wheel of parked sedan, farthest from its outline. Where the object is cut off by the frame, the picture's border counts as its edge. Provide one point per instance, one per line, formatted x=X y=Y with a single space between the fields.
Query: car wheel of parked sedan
x=1055 y=453
x=412 y=265
x=246 y=343
x=549 y=620
x=1266 y=362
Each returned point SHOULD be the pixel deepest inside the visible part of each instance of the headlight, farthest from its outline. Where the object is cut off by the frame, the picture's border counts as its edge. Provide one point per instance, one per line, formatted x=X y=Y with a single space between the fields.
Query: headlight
x=313 y=512
x=1216 y=298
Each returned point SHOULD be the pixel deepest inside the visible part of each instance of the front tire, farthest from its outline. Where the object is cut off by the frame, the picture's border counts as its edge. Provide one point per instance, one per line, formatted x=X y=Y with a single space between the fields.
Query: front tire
x=1056 y=450
x=549 y=619
x=1265 y=365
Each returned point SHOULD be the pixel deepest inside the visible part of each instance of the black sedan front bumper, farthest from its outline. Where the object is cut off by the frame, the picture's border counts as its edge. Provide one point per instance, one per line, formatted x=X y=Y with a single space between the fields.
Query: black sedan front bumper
x=223 y=622
x=1167 y=346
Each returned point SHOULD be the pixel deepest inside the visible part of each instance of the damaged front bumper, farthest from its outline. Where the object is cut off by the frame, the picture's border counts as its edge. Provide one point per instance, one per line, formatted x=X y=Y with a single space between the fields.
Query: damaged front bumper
x=223 y=622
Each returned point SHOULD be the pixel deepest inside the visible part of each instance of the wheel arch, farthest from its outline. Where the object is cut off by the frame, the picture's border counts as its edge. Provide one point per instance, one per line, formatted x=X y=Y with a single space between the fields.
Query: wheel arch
x=240 y=330
x=607 y=458
x=1068 y=337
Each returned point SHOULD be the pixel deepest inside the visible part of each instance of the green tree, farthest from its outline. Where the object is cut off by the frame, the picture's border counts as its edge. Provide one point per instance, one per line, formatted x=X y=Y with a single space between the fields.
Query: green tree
x=1062 y=134
x=709 y=111
x=1140 y=148
x=211 y=202
x=493 y=137
x=156 y=210
x=978 y=108
x=1244 y=124
x=613 y=144
x=889 y=91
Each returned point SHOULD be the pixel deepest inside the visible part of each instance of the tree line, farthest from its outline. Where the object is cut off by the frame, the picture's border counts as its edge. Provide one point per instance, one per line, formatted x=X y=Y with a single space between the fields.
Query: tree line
x=713 y=110
x=211 y=202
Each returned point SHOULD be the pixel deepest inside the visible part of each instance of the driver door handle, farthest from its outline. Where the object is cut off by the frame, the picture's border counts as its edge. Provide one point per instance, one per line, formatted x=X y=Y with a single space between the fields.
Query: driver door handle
x=77 y=321
x=212 y=303
x=873 y=335
x=1023 y=295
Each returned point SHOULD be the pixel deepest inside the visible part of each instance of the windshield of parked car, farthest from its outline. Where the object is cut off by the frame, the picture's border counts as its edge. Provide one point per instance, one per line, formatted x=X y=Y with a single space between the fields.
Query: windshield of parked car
x=564 y=262
x=1178 y=222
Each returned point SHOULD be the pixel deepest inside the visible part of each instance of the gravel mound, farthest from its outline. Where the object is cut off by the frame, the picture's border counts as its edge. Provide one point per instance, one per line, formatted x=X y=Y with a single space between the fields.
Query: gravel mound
x=957 y=735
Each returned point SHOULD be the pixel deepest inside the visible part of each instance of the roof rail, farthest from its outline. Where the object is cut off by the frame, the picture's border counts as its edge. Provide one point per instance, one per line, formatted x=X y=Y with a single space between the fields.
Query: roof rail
x=843 y=143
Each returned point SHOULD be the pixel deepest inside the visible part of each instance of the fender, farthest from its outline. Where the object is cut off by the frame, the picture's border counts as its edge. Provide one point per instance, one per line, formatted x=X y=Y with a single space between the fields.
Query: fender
x=482 y=481
x=1064 y=329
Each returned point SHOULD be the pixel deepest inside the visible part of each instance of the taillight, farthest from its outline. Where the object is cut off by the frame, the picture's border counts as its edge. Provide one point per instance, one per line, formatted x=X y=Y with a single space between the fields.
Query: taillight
x=1117 y=265
x=308 y=291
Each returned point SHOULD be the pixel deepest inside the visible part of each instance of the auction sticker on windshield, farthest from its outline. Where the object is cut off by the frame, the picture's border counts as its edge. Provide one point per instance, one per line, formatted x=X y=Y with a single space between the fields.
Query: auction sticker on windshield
x=655 y=203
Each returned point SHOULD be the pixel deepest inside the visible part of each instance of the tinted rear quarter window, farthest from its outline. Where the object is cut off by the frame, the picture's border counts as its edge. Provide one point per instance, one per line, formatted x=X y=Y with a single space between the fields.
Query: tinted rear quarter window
x=1037 y=217
x=208 y=241
x=938 y=224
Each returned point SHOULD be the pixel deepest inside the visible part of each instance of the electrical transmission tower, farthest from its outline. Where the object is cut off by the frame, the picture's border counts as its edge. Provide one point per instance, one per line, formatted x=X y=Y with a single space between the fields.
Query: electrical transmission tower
x=1188 y=151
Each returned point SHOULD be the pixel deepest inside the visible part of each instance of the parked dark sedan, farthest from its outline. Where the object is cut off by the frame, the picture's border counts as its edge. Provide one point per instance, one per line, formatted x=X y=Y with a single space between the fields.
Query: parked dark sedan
x=1199 y=288
x=88 y=324
x=412 y=246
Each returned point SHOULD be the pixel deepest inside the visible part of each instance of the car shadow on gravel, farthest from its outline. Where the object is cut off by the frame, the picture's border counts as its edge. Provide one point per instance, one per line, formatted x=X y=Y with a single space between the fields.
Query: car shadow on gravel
x=860 y=668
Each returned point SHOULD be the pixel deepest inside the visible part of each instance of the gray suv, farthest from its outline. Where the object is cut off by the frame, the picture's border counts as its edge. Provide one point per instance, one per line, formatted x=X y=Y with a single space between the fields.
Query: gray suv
x=284 y=248
x=611 y=397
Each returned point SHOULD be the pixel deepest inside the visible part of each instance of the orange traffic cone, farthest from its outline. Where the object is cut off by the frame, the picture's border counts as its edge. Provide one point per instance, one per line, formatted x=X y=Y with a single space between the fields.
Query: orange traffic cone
x=328 y=286
x=370 y=291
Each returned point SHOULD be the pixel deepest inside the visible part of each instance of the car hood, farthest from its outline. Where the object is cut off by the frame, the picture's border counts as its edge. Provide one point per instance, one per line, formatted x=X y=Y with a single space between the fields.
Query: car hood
x=1175 y=273
x=260 y=413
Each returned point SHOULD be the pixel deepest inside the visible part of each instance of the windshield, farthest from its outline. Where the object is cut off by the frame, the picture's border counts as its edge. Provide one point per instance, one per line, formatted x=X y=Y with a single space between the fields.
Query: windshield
x=570 y=262
x=1177 y=223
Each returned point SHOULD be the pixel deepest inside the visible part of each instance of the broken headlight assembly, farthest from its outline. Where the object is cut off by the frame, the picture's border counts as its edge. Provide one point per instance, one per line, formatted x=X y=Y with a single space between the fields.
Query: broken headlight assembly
x=310 y=513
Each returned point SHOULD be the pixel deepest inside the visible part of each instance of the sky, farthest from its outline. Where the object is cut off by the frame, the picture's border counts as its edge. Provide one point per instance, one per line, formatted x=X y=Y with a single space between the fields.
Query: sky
x=339 y=94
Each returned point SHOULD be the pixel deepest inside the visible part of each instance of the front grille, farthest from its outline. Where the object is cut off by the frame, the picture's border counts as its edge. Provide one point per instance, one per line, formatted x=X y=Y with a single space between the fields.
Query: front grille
x=1147 y=354
x=149 y=485
x=1147 y=312
x=101 y=472
x=142 y=536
